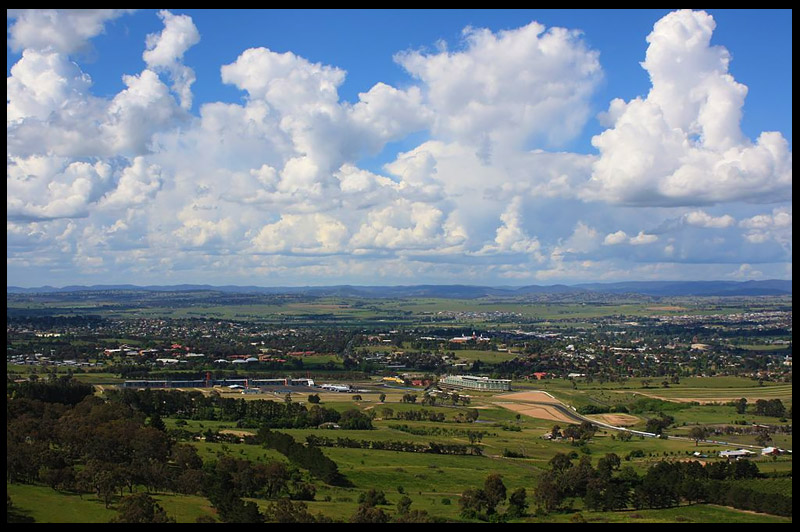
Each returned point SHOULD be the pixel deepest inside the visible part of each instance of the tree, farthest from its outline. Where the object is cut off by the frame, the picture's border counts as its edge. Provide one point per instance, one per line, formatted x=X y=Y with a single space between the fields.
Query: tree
x=495 y=492
x=355 y=420
x=763 y=438
x=607 y=465
x=382 y=397
x=314 y=399
x=157 y=423
x=141 y=508
x=560 y=463
x=286 y=511
x=517 y=503
x=372 y=497
x=404 y=505
x=572 y=432
x=473 y=502
x=369 y=514
x=741 y=406
x=697 y=433
x=548 y=494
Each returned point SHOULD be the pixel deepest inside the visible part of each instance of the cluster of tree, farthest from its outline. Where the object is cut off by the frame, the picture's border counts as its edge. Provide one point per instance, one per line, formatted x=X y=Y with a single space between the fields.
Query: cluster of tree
x=578 y=434
x=63 y=390
x=141 y=508
x=368 y=511
x=392 y=445
x=748 y=497
x=93 y=446
x=596 y=409
x=355 y=420
x=108 y=448
x=252 y=414
x=307 y=457
x=481 y=503
x=409 y=398
x=226 y=481
x=609 y=487
x=657 y=424
x=415 y=415
x=770 y=407
x=442 y=431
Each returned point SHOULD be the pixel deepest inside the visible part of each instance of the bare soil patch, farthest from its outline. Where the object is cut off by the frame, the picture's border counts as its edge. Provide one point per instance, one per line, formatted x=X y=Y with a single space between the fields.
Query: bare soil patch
x=534 y=397
x=617 y=420
x=240 y=433
x=537 y=411
x=752 y=398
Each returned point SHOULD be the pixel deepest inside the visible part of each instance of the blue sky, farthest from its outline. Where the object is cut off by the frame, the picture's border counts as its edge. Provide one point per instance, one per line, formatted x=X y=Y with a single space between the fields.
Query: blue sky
x=396 y=147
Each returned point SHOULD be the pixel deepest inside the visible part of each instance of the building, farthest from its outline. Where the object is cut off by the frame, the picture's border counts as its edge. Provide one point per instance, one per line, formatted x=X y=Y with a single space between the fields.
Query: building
x=739 y=453
x=476 y=383
x=771 y=451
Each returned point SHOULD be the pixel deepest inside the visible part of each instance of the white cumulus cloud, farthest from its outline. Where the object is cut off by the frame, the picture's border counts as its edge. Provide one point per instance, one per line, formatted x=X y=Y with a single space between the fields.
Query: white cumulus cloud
x=682 y=144
x=165 y=52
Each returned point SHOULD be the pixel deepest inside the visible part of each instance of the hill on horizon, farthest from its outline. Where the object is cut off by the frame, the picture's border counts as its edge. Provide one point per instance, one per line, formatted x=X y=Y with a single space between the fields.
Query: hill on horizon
x=772 y=287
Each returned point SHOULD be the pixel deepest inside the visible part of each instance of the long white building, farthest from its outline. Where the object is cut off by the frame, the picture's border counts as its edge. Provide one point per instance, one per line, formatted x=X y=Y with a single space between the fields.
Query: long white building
x=476 y=383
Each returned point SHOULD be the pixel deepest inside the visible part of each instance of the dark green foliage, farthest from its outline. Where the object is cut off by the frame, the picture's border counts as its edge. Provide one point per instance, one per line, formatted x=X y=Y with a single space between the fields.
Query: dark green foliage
x=372 y=497
x=248 y=414
x=741 y=406
x=393 y=445
x=285 y=511
x=517 y=503
x=355 y=420
x=369 y=514
x=141 y=508
x=63 y=390
x=495 y=491
x=404 y=505
x=473 y=503
x=657 y=425
x=307 y=457
x=771 y=408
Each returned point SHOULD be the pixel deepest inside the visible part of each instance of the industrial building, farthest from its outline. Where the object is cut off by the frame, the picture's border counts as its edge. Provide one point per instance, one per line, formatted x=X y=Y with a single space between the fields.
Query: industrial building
x=476 y=383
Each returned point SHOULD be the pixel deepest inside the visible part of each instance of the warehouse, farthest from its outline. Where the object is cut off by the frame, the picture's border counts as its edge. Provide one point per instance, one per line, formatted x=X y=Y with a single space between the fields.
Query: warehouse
x=476 y=383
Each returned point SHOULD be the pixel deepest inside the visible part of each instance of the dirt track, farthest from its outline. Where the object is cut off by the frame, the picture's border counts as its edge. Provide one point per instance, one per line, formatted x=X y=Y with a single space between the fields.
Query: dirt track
x=618 y=420
x=538 y=404
x=529 y=397
x=537 y=411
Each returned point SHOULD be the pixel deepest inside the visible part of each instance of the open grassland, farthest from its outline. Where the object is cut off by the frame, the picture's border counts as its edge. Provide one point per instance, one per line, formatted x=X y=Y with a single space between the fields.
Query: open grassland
x=721 y=395
x=697 y=513
x=431 y=479
x=440 y=311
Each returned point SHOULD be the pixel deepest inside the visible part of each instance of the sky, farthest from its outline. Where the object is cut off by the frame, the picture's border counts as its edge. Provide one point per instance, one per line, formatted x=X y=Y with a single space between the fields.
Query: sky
x=397 y=147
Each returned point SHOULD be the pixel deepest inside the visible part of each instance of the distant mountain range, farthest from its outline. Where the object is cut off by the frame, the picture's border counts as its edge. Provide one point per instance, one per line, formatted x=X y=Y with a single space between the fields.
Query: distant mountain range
x=774 y=287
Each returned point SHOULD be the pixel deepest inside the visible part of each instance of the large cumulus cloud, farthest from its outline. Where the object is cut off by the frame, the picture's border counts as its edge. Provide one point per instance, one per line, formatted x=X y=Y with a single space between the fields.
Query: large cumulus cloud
x=147 y=186
x=682 y=144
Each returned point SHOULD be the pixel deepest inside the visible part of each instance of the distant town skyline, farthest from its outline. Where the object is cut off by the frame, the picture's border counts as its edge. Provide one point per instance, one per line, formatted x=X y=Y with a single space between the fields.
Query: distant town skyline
x=397 y=147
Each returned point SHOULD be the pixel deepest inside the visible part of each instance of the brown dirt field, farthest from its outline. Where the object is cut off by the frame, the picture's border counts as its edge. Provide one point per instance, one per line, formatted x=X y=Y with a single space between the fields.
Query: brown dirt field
x=535 y=397
x=240 y=433
x=537 y=411
x=618 y=420
x=704 y=400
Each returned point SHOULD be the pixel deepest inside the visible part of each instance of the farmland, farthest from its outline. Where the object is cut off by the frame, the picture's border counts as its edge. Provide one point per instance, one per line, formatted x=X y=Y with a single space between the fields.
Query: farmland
x=673 y=366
